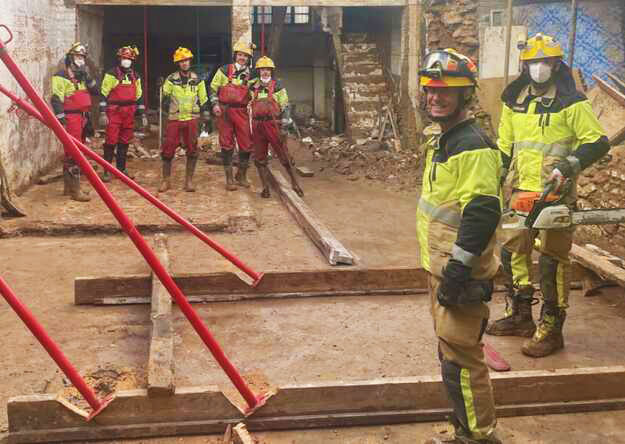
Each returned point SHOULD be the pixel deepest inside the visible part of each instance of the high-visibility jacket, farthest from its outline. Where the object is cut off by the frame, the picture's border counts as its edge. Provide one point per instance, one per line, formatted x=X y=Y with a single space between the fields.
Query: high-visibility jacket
x=538 y=132
x=460 y=204
x=186 y=96
x=229 y=74
x=70 y=95
x=121 y=87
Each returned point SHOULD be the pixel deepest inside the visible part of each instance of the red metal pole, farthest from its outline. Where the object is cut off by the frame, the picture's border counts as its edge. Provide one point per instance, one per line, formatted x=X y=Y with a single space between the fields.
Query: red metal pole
x=28 y=108
x=53 y=350
x=145 y=57
x=127 y=225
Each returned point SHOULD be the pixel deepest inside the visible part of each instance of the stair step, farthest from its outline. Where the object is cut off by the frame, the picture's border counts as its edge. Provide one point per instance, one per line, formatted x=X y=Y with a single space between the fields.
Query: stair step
x=359 y=47
x=365 y=71
x=355 y=37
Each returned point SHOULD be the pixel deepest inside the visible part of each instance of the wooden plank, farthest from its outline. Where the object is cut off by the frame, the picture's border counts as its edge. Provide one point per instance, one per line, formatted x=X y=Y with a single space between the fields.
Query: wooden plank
x=202 y=410
x=161 y=381
x=618 y=82
x=612 y=92
x=225 y=287
x=600 y=265
x=331 y=248
x=610 y=112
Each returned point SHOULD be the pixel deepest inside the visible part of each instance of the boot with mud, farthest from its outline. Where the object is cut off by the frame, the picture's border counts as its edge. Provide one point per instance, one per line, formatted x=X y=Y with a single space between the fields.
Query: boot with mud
x=263 y=173
x=190 y=171
x=74 y=182
x=108 y=156
x=517 y=320
x=166 y=180
x=120 y=160
x=462 y=436
x=548 y=337
x=241 y=175
x=227 y=159
x=67 y=178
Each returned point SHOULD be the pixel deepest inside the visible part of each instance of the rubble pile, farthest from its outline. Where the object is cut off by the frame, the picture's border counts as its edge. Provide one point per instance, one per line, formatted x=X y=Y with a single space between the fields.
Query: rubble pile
x=602 y=185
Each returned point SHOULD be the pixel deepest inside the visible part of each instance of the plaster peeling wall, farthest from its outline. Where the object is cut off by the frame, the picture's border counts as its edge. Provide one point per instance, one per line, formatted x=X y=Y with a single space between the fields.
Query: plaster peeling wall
x=42 y=32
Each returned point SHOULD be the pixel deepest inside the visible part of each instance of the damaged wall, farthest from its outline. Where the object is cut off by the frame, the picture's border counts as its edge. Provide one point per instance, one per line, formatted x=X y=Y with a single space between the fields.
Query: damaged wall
x=42 y=30
x=453 y=24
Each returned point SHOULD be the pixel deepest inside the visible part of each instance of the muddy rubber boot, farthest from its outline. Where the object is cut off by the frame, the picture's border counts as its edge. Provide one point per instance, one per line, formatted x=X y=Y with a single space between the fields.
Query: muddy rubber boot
x=166 y=179
x=241 y=176
x=188 y=178
x=67 y=179
x=517 y=320
x=263 y=173
x=230 y=185
x=548 y=337
x=75 y=192
x=120 y=160
x=461 y=436
x=108 y=156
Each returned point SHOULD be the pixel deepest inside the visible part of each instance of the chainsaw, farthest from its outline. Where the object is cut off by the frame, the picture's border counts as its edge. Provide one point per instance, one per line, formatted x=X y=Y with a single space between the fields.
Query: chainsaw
x=543 y=211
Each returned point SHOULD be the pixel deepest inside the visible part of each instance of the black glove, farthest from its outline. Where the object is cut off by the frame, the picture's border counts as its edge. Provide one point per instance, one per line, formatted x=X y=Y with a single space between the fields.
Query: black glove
x=453 y=285
x=565 y=168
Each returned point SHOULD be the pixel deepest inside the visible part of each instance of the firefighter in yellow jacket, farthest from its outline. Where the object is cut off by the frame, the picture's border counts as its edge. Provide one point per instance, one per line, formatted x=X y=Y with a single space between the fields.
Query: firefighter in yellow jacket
x=122 y=99
x=548 y=133
x=72 y=89
x=457 y=216
x=229 y=98
x=270 y=118
x=184 y=98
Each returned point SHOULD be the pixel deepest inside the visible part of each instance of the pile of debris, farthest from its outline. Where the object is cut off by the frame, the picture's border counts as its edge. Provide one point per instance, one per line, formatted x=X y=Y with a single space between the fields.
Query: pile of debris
x=375 y=159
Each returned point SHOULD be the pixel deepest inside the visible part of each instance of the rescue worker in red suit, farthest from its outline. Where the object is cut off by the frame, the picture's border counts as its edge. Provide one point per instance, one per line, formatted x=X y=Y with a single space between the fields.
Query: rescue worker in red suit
x=270 y=120
x=184 y=98
x=122 y=99
x=229 y=98
x=72 y=88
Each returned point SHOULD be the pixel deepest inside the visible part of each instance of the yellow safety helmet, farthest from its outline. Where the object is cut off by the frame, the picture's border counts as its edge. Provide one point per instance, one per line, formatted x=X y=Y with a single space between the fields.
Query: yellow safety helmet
x=128 y=52
x=447 y=69
x=539 y=47
x=245 y=48
x=78 y=49
x=182 y=54
x=265 y=62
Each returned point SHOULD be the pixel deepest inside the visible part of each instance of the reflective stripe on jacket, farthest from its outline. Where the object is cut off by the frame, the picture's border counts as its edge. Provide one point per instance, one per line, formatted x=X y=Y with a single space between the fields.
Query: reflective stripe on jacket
x=460 y=205
x=187 y=96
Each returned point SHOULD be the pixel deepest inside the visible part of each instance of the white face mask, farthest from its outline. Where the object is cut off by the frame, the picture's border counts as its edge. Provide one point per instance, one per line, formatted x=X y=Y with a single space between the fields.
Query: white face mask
x=265 y=78
x=79 y=62
x=540 y=72
x=125 y=63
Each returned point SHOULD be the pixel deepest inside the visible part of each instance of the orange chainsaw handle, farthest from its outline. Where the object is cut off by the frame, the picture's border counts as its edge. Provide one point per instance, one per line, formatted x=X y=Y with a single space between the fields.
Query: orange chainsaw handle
x=525 y=200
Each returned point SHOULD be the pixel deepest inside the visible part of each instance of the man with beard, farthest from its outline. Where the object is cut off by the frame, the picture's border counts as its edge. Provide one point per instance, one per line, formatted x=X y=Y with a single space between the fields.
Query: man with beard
x=458 y=213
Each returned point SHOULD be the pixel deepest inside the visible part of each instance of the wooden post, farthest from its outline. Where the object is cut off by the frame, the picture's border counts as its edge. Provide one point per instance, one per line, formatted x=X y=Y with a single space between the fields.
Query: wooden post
x=508 y=39
x=573 y=32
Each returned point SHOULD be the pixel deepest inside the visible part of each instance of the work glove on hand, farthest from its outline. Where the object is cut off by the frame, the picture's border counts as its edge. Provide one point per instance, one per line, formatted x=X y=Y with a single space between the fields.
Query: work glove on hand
x=144 y=121
x=217 y=110
x=452 y=288
x=562 y=171
x=103 y=120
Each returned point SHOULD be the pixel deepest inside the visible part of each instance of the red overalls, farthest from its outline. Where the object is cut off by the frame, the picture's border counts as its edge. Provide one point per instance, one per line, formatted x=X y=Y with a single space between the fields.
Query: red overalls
x=234 y=121
x=76 y=107
x=121 y=108
x=265 y=130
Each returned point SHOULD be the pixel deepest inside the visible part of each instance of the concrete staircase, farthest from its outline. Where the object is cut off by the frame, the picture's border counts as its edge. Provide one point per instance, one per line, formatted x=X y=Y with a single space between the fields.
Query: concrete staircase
x=365 y=90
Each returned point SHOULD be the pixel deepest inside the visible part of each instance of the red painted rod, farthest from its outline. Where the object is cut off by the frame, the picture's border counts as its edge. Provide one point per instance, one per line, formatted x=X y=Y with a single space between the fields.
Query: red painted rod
x=132 y=232
x=28 y=108
x=46 y=341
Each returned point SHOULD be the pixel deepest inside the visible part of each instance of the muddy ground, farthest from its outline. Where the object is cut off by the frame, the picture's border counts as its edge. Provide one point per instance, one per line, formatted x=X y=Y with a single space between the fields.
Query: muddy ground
x=290 y=341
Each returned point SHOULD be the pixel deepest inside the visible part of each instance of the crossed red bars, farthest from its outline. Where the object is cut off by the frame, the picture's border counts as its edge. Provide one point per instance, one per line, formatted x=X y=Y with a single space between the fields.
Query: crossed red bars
x=77 y=150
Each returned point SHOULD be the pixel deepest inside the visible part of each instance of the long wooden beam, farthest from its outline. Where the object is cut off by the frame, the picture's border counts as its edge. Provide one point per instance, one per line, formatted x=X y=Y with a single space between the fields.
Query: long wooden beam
x=228 y=286
x=331 y=248
x=161 y=381
x=599 y=264
x=202 y=410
